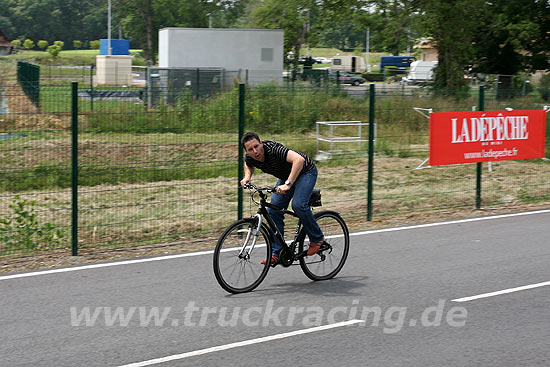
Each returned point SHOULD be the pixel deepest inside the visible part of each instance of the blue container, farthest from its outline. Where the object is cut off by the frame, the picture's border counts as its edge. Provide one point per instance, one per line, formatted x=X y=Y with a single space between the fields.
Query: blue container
x=119 y=47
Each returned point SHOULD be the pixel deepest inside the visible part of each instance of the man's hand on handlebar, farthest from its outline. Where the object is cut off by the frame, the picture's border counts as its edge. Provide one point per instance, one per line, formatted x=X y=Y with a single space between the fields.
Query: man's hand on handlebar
x=244 y=182
x=282 y=189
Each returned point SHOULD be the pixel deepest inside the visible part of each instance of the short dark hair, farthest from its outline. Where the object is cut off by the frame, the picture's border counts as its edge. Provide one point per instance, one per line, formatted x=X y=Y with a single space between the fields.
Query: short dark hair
x=249 y=136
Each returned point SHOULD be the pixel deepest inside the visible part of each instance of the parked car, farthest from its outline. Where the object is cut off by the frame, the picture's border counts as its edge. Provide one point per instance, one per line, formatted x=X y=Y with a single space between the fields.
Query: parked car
x=347 y=78
x=303 y=60
x=323 y=60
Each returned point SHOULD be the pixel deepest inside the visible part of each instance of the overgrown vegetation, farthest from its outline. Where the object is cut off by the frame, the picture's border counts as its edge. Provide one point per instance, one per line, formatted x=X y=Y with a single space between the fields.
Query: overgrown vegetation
x=21 y=229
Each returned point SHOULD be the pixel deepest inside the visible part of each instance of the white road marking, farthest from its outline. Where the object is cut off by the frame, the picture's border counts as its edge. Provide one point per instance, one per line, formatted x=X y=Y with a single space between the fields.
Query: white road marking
x=448 y=222
x=103 y=265
x=241 y=344
x=191 y=254
x=498 y=293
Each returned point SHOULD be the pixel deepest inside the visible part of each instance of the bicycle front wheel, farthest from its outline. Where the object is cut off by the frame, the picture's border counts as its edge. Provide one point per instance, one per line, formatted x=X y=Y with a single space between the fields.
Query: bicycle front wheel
x=330 y=259
x=238 y=256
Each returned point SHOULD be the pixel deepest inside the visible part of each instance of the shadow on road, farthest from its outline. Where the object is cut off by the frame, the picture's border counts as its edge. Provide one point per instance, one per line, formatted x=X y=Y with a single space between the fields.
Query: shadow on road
x=339 y=286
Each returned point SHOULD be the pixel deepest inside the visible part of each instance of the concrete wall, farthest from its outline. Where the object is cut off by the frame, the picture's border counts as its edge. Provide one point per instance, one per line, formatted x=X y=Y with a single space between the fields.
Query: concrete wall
x=259 y=51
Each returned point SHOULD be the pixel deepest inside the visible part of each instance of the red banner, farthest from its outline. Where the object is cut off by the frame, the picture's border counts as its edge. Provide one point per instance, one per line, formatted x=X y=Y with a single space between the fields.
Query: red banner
x=481 y=136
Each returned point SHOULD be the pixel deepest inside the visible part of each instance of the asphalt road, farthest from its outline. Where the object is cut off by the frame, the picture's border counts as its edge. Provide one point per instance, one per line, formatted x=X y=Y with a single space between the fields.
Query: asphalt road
x=399 y=301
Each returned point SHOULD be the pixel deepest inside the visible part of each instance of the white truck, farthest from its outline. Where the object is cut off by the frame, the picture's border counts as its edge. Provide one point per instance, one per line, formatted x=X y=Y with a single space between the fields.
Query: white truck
x=420 y=72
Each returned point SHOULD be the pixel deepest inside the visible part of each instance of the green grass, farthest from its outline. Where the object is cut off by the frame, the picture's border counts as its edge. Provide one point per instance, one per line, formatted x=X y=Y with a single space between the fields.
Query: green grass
x=68 y=57
x=46 y=177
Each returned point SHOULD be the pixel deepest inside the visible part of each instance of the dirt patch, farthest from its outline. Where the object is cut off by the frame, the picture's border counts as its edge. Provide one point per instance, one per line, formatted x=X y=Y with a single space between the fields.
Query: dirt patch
x=18 y=102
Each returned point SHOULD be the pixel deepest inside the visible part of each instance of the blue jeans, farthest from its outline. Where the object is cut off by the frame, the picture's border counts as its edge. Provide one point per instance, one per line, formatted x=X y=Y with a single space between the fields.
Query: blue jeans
x=300 y=192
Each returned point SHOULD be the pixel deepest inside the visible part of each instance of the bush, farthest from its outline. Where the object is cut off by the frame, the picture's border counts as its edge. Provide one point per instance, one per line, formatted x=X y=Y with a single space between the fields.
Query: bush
x=22 y=230
x=54 y=50
x=43 y=44
x=28 y=44
x=94 y=45
x=373 y=77
x=16 y=44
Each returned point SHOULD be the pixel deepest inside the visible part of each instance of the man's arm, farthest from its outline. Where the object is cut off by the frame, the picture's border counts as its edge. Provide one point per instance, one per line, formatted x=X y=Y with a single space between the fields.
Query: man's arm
x=248 y=172
x=297 y=165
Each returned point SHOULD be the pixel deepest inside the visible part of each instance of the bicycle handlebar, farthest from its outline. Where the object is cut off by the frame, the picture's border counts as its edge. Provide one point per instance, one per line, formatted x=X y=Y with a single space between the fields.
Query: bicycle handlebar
x=269 y=189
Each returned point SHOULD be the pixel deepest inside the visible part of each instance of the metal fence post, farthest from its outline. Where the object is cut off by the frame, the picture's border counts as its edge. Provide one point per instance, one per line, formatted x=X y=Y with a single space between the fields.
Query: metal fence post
x=371 y=152
x=241 y=151
x=74 y=170
x=479 y=164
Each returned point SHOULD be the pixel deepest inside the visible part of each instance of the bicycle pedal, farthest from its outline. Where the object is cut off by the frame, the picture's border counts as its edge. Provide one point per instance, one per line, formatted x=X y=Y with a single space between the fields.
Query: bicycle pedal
x=325 y=247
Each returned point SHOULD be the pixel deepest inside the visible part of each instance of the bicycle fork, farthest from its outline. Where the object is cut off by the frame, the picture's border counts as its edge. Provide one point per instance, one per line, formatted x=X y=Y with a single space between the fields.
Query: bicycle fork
x=250 y=233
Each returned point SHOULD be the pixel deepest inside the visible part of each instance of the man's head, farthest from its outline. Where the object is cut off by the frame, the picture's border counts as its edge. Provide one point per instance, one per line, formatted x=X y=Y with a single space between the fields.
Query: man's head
x=253 y=146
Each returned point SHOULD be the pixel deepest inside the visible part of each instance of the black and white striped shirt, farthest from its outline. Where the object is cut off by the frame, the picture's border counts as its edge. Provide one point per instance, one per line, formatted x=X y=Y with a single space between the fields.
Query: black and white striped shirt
x=275 y=161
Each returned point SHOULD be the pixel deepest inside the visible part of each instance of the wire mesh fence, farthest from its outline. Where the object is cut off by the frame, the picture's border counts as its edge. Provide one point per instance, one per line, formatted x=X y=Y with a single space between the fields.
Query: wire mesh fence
x=168 y=172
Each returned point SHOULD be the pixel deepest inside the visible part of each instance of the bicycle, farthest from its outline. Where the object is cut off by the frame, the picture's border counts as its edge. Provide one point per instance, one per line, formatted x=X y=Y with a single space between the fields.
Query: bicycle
x=240 y=250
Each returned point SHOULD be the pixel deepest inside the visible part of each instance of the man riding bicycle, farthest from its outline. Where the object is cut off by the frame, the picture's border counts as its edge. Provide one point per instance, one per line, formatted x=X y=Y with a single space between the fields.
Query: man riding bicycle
x=296 y=175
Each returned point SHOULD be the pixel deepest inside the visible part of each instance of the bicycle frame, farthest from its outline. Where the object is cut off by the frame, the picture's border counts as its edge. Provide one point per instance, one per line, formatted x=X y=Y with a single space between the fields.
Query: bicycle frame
x=274 y=231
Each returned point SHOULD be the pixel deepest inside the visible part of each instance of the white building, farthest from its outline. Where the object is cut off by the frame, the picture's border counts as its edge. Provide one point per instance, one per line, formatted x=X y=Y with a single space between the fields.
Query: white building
x=257 y=53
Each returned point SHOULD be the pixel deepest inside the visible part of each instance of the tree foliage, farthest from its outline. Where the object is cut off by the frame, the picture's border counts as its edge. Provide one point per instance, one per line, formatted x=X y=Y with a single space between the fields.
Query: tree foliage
x=54 y=19
x=513 y=35
x=498 y=36
x=451 y=24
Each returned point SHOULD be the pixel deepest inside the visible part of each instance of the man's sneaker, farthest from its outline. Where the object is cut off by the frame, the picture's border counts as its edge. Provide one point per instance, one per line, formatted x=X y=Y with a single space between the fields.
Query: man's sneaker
x=274 y=260
x=314 y=247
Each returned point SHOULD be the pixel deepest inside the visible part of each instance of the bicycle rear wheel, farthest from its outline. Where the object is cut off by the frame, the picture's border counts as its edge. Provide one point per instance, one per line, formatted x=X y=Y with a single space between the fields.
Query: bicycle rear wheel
x=237 y=259
x=330 y=259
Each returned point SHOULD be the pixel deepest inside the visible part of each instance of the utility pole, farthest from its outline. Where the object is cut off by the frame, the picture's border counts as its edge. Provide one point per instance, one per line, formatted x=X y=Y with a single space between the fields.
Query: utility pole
x=367 y=49
x=110 y=50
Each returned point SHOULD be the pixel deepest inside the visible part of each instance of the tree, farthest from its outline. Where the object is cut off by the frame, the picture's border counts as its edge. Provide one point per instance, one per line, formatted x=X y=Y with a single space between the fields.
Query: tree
x=77 y=44
x=452 y=25
x=139 y=16
x=394 y=24
x=513 y=36
x=301 y=20
x=54 y=19
x=292 y=16
x=228 y=13
x=142 y=19
x=344 y=27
